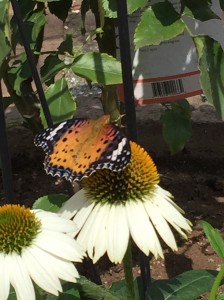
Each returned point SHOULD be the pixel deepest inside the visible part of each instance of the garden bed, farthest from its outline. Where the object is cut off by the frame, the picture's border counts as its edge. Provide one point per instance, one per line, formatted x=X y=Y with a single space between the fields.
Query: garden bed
x=195 y=177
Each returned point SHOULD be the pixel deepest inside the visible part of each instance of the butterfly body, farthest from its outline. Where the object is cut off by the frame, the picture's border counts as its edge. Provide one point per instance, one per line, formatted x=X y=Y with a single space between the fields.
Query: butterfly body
x=76 y=148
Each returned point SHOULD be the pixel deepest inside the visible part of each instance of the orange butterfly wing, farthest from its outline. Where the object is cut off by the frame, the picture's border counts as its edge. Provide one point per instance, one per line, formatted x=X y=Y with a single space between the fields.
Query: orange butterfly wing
x=76 y=148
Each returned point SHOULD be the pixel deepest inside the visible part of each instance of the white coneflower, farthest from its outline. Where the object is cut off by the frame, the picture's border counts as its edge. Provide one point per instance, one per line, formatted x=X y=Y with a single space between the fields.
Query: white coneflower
x=112 y=206
x=35 y=245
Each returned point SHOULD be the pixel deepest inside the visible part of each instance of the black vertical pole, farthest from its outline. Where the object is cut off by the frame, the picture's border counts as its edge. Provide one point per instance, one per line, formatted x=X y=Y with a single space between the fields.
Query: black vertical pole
x=30 y=57
x=126 y=65
x=4 y=155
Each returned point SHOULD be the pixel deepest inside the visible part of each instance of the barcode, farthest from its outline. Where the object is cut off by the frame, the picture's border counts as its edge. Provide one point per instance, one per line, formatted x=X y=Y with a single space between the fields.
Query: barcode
x=167 y=88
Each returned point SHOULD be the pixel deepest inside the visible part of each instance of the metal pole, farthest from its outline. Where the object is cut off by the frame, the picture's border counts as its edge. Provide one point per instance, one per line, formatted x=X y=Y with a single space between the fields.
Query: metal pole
x=126 y=65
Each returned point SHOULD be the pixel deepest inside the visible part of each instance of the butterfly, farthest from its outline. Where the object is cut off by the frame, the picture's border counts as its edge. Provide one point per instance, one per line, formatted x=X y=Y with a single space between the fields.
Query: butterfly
x=78 y=147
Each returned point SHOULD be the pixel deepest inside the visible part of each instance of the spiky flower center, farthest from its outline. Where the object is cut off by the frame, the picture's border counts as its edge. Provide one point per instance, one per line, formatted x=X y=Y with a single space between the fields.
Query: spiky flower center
x=136 y=180
x=18 y=228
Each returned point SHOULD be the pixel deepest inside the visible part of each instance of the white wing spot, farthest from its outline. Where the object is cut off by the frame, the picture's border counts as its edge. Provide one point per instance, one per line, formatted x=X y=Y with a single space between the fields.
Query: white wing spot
x=54 y=132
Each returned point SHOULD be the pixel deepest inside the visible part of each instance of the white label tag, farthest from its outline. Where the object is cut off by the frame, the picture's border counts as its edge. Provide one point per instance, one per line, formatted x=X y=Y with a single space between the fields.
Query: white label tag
x=169 y=71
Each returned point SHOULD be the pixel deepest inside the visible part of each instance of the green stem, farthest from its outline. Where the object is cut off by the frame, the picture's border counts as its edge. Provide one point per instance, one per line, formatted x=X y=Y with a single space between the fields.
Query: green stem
x=101 y=13
x=127 y=261
x=216 y=284
x=107 y=44
x=38 y=293
x=110 y=104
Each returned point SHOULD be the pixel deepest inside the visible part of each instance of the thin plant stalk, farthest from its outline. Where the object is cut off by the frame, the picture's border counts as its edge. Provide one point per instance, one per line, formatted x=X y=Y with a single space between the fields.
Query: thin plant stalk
x=216 y=284
x=127 y=261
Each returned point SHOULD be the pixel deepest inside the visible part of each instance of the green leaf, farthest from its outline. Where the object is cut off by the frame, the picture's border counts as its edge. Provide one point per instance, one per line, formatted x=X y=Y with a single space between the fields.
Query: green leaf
x=120 y=288
x=158 y=23
x=110 y=7
x=176 y=125
x=50 y=202
x=134 y=5
x=220 y=297
x=186 y=286
x=60 y=8
x=36 y=22
x=66 y=296
x=46 y=1
x=211 y=65
x=70 y=292
x=26 y=8
x=4 y=30
x=52 y=65
x=214 y=237
x=60 y=102
x=221 y=2
x=90 y=291
x=12 y=294
x=98 y=67
x=67 y=45
x=19 y=73
x=200 y=9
